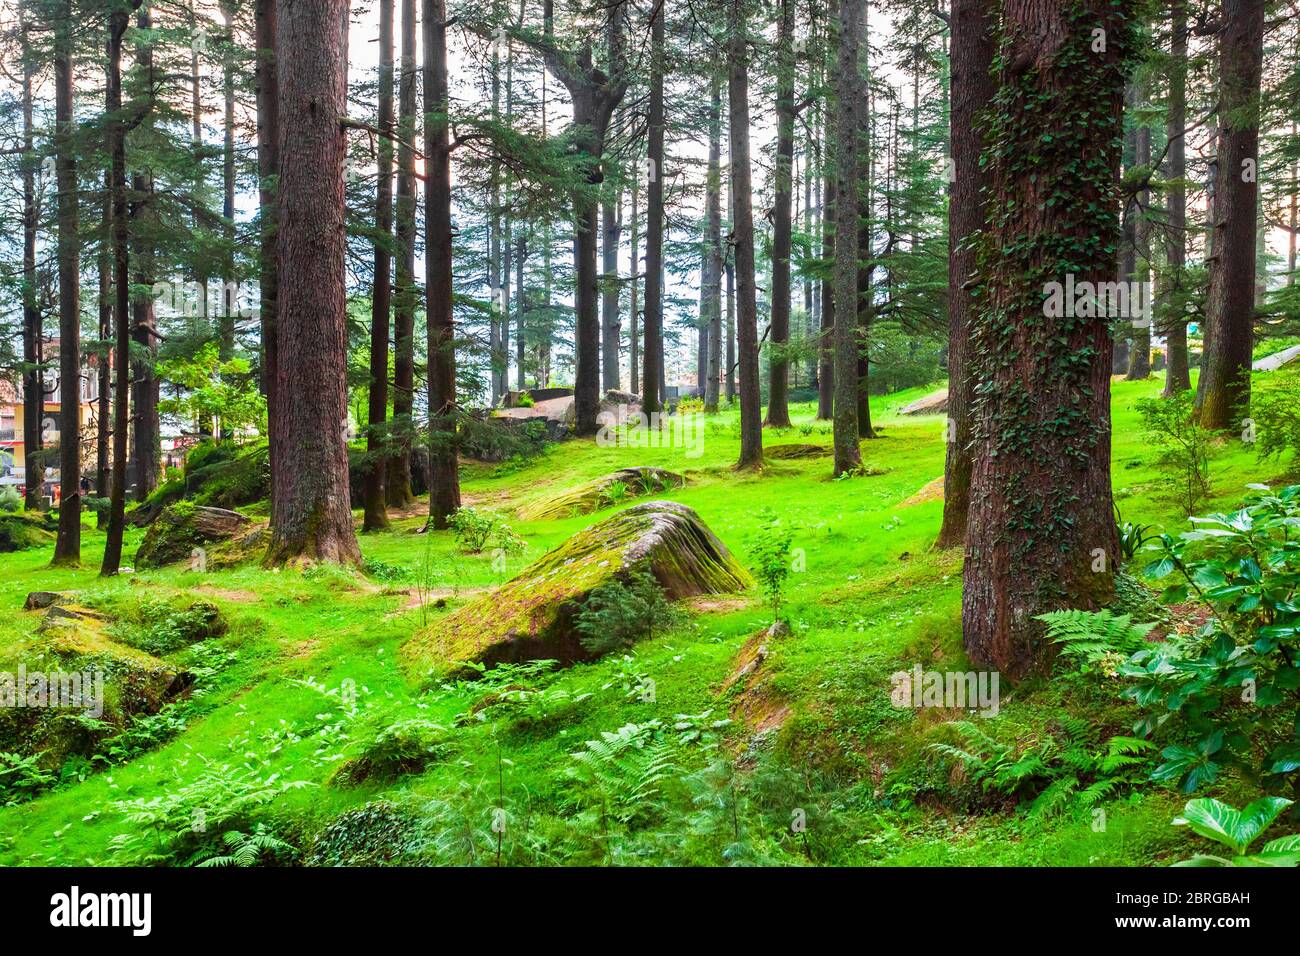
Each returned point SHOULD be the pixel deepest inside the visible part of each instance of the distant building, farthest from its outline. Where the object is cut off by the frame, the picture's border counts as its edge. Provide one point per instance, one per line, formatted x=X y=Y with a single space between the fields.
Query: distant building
x=13 y=450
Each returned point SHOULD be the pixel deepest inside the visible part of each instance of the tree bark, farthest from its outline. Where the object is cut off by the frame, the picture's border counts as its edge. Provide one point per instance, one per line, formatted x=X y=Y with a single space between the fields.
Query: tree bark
x=33 y=379
x=826 y=339
x=972 y=90
x=848 y=104
x=311 y=518
x=1230 y=306
x=1041 y=531
x=67 y=547
x=652 y=399
x=1177 y=372
x=610 y=333
x=713 y=245
x=444 y=471
x=267 y=92
x=1139 y=360
x=118 y=21
x=145 y=426
x=375 y=499
x=634 y=307
x=751 y=410
x=397 y=471
x=778 y=364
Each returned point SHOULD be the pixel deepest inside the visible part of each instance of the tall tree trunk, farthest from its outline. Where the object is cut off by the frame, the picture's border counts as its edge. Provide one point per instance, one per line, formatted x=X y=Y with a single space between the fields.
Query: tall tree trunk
x=849 y=94
x=751 y=410
x=521 y=308
x=611 y=238
x=633 y=339
x=33 y=379
x=1139 y=360
x=1230 y=307
x=67 y=547
x=444 y=471
x=268 y=107
x=1041 y=531
x=117 y=24
x=103 y=411
x=731 y=329
x=311 y=518
x=713 y=244
x=397 y=470
x=145 y=426
x=226 y=319
x=1177 y=374
x=652 y=399
x=778 y=364
x=826 y=339
x=972 y=90
x=375 y=499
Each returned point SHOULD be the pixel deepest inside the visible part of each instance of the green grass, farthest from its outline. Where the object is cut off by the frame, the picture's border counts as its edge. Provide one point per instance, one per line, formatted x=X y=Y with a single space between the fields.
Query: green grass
x=872 y=599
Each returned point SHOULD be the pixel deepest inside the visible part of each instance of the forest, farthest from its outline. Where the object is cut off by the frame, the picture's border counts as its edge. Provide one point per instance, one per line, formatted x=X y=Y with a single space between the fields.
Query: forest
x=644 y=433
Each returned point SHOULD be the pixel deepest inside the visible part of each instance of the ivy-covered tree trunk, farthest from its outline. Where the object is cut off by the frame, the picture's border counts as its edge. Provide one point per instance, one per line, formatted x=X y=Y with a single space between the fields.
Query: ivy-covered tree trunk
x=67 y=546
x=778 y=410
x=972 y=51
x=397 y=470
x=1230 y=302
x=1177 y=373
x=375 y=499
x=849 y=94
x=742 y=228
x=444 y=469
x=1041 y=531
x=311 y=517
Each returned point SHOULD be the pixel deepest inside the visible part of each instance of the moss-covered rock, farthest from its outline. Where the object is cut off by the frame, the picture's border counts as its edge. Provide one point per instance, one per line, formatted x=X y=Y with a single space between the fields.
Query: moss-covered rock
x=18 y=532
x=614 y=488
x=183 y=527
x=117 y=683
x=532 y=616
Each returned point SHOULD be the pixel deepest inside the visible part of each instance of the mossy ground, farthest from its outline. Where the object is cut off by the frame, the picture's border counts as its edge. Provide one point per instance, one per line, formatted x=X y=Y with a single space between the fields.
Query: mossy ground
x=873 y=598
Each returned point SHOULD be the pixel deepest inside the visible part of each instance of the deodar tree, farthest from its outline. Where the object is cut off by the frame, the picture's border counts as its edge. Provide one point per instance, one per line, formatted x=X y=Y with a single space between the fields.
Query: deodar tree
x=1041 y=532
x=311 y=518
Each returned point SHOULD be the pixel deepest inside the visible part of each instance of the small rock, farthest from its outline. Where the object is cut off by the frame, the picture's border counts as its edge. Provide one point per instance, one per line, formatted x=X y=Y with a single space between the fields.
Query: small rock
x=40 y=600
x=778 y=629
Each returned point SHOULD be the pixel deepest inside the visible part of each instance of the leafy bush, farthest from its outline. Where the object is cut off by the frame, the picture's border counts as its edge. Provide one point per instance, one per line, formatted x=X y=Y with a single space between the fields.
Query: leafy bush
x=621 y=612
x=1229 y=693
x=769 y=549
x=403 y=747
x=1171 y=424
x=22 y=777
x=10 y=501
x=1275 y=411
x=1237 y=830
x=474 y=529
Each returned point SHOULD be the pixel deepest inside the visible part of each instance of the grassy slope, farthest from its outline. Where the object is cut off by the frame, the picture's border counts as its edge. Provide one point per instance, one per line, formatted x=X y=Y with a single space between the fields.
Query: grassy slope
x=873 y=599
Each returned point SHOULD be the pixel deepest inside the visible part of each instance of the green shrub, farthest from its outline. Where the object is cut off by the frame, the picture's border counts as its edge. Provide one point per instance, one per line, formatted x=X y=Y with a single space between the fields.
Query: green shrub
x=10 y=500
x=769 y=550
x=1275 y=412
x=621 y=612
x=1184 y=459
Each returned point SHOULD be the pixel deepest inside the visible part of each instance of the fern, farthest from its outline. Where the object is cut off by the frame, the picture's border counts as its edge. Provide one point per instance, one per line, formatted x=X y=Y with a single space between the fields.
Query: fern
x=248 y=849
x=1090 y=638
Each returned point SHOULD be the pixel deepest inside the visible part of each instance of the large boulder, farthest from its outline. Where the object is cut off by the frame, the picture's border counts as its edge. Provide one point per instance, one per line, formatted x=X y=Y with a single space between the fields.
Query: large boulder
x=614 y=488
x=936 y=403
x=183 y=528
x=532 y=616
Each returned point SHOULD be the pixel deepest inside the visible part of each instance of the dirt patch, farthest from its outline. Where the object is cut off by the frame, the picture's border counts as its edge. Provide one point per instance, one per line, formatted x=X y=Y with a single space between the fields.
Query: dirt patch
x=931 y=492
x=756 y=706
x=238 y=597
x=716 y=604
